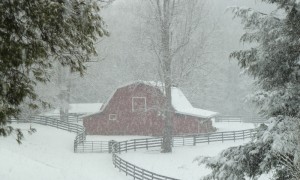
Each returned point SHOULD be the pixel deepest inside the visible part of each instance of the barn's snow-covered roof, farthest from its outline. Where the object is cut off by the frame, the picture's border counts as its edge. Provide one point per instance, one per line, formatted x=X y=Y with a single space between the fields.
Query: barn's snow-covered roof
x=79 y=108
x=181 y=104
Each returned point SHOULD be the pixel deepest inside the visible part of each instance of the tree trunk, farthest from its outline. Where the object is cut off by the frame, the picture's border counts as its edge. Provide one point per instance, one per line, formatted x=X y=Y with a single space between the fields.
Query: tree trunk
x=64 y=94
x=168 y=129
x=165 y=41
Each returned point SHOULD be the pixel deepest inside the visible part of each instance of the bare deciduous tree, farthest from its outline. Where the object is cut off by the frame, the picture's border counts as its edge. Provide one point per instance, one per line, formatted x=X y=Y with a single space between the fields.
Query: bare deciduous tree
x=173 y=33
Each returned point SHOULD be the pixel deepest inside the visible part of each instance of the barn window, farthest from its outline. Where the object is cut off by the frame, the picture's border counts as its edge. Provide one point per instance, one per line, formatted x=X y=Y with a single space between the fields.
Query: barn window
x=138 y=104
x=112 y=117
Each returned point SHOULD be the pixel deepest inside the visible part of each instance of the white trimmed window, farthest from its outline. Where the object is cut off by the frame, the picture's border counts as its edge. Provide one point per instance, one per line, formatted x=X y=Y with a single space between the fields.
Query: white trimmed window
x=139 y=104
x=112 y=117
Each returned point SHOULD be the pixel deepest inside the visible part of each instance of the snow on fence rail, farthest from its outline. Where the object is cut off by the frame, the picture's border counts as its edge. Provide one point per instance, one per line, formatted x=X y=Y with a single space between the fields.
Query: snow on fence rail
x=191 y=140
x=245 y=119
x=53 y=122
x=137 y=172
x=81 y=145
x=71 y=118
x=91 y=147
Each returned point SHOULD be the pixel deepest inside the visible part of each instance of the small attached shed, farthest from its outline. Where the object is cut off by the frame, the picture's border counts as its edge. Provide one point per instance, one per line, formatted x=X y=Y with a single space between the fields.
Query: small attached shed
x=75 y=111
x=135 y=109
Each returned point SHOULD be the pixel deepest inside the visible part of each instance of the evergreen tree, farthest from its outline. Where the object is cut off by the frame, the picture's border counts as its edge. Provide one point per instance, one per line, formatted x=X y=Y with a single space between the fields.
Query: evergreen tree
x=34 y=35
x=273 y=60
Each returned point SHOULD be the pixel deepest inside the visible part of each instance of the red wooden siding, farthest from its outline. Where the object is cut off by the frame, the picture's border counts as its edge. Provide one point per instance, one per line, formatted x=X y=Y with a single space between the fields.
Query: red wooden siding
x=147 y=122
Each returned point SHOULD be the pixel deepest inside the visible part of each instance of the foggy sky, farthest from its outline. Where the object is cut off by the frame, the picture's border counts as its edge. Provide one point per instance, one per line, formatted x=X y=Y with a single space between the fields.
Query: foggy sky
x=120 y=62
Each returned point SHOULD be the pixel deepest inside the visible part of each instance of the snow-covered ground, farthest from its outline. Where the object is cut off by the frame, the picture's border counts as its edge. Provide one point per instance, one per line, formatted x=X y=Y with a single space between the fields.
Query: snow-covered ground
x=233 y=126
x=180 y=164
x=48 y=155
x=116 y=138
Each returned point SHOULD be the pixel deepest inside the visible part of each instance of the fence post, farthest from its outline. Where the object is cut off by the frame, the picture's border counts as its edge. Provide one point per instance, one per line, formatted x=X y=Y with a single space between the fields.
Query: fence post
x=92 y=146
x=147 y=144
x=194 y=140
x=134 y=172
x=234 y=136
x=115 y=160
x=68 y=126
x=243 y=135
x=82 y=146
x=208 y=138
x=75 y=144
x=111 y=146
x=134 y=145
x=222 y=137
x=126 y=146
x=126 y=167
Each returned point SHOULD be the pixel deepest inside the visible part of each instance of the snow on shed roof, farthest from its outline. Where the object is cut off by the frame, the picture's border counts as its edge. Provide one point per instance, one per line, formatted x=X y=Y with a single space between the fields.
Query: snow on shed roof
x=80 y=108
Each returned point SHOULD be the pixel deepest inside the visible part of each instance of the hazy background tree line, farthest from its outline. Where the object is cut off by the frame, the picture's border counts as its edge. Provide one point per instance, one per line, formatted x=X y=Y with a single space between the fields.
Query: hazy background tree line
x=216 y=84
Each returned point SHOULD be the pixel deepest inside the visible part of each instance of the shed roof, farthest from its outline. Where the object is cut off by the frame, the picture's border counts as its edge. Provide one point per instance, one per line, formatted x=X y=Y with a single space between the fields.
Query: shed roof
x=79 y=108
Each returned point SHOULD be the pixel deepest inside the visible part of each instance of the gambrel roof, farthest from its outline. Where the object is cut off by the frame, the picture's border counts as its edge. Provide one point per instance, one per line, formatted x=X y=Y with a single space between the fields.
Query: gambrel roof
x=179 y=102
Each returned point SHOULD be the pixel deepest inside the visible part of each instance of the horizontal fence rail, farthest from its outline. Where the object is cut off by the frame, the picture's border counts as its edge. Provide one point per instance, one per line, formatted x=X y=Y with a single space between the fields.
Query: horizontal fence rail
x=114 y=147
x=190 y=140
x=53 y=122
x=71 y=118
x=193 y=140
x=135 y=144
x=137 y=172
x=80 y=137
x=92 y=147
x=245 y=119
x=147 y=143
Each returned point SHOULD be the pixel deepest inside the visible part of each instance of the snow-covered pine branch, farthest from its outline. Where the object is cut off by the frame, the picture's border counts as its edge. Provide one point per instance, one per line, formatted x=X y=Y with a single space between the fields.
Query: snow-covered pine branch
x=272 y=60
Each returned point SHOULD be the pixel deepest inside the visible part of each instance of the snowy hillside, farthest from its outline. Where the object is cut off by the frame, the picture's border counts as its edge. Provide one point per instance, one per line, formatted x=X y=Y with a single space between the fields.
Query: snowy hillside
x=48 y=155
x=180 y=163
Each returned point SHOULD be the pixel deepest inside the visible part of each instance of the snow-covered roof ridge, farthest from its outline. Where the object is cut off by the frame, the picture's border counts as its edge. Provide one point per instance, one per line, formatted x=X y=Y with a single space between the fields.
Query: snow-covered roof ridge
x=179 y=102
x=182 y=105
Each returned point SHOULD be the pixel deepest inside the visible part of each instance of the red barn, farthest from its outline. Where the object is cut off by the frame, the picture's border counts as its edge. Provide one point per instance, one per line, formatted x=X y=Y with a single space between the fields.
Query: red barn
x=135 y=110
